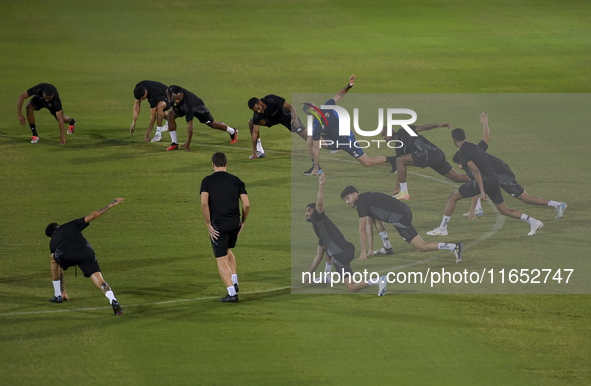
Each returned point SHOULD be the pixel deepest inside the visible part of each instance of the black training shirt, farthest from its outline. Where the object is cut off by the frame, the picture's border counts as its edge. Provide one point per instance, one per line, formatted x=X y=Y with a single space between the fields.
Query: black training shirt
x=68 y=237
x=273 y=111
x=498 y=164
x=188 y=104
x=380 y=206
x=471 y=152
x=55 y=104
x=413 y=144
x=224 y=199
x=156 y=90
x=329 y=236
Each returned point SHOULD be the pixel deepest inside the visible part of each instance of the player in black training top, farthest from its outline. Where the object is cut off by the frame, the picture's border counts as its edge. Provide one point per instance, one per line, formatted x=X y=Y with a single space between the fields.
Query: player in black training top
x=337 y=248
x=325 y=131
x=386 y=208
x=419 y=151
x=506 y=179
x=188 y=105
x=155 y=92
x=44 y=95
x=69 y=248
x=270 y=111
x=221 y=193
x=483 y=180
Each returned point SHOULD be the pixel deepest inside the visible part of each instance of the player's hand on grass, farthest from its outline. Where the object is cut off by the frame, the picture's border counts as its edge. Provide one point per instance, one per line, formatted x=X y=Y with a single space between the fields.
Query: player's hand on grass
x=65 y=295
x=254 y=155
x=472 y=216
x=307 y=279
x=132 y=129
x=213 y=234
x=63 y=140
x=362 y=256
x=147 y=137
x=22 y=120
x=186 y=146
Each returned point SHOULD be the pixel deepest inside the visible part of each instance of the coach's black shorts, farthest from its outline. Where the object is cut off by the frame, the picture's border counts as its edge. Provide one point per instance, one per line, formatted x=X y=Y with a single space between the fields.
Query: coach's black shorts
x=84 y=258
x=433 y=159
x=404 y=226
x=342 y=262
x=226 y=239
x=38 y=104
x=492 y=189
x=510 y=185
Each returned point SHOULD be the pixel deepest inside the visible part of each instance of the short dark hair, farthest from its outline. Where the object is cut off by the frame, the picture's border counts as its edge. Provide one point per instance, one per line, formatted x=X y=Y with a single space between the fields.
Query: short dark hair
x=252 y=101
x=219 y=159
x=311 y=205
x=458 y=134
x=456 y=157
x=49 y=90
x=139 y=91
x=174 y=89
x=348 y=190
x=50 y=229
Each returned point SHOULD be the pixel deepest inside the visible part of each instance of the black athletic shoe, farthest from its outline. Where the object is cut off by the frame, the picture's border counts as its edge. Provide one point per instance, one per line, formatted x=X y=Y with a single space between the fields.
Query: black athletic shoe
x=116 y=307
x=309 y=171
x=56 y=299
x=394 y=169
x=230 y=299
x=236 y=287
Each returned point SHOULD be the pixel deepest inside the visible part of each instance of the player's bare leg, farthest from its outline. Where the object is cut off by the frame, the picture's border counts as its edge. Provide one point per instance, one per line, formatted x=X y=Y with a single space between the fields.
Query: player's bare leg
x=401 y=192
x=527 y=199
x=457 y=177
x=225 y=270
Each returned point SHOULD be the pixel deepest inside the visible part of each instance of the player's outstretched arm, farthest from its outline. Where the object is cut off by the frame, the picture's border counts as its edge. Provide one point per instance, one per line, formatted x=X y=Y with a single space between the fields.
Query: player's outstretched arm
x=245 y=210
x=345 y=90
x=320 y=197
x=478 y=177
x=97 y=213
x=136 y=113
x=254 y=138
x=486 y=131
x=363 y=236
x=432 y=126
x=19 y=108
x=60 y=120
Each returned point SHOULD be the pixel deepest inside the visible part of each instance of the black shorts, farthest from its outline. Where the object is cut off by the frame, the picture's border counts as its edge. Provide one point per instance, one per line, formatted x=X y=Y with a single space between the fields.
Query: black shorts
x=226 y=240
x=164 y=98
x=38 y=104
x=510 y=185
x=200 y=112
x=347 y=144
x=433 y=159
x=492 y=189
x=404 y=226
x=84 y=258
x=342 y=262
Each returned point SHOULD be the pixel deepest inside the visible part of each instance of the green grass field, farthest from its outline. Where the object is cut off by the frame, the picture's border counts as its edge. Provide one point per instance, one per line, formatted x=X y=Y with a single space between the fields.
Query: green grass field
x=153 y=249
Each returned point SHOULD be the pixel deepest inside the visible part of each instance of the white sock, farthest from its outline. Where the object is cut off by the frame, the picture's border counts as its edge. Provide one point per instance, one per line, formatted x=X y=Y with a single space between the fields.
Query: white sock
x=554 y=204
x=527 y=219
x=111 y=296
x=230 y=130
x=446 y=246
x=444 y=222
x=478 y=206
x=57 y=289
x=260 y=146
x=231 y=291
x=173 y=136
x=385 y=240
x=234 y=278
x=158 y=129
x=403 y=187
x=374 y=281
x=328 y=267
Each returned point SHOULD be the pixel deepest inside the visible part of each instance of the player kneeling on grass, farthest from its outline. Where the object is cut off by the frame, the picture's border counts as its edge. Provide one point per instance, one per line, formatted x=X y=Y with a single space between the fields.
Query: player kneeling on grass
x=44 y=96
x=221 y=193
x=332 y=241
x=69 y=248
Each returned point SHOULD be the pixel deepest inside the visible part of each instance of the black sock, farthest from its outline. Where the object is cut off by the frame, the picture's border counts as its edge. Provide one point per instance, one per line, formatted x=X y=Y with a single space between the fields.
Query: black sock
x=34 y=130
x=391 y=160
x=72 y=122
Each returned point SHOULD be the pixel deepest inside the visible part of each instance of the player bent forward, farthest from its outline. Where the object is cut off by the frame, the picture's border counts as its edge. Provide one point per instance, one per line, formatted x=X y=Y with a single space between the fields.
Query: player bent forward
x=221 y=193
x=332 y=241
x=69 y=248
x=45 y=96
x=155 y=93
x=388 y=209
